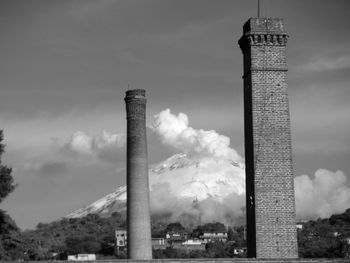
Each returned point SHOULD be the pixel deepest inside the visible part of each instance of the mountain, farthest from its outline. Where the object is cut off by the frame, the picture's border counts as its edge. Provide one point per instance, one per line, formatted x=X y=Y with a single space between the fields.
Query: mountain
x=113 y=202
x=184 y=184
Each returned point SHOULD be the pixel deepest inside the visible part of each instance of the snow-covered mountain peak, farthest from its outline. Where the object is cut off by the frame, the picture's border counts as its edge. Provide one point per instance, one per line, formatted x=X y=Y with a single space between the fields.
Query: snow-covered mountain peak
x=180 y=177
x=103 y=205
x=177 y=161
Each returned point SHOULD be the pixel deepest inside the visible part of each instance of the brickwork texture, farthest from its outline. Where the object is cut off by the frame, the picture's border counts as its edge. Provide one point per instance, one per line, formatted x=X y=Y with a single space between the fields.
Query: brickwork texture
x=138 y=207
x=270 y=202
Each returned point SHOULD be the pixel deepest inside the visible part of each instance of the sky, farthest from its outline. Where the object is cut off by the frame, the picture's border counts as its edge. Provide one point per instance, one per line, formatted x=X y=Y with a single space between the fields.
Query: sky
x=65 y=67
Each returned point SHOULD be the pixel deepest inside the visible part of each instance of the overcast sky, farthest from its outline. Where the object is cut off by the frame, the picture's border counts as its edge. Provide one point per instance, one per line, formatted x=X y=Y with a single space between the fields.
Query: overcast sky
x=65 y=67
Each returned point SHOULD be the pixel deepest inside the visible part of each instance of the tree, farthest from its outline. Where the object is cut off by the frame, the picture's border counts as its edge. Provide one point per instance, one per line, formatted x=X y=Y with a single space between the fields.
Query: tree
x=216 y=250
x=11 y=240
x=6 y=180
x=175 y=227
x=317 y=239
x=89 y=234
x=82 y=244
x=209 y=227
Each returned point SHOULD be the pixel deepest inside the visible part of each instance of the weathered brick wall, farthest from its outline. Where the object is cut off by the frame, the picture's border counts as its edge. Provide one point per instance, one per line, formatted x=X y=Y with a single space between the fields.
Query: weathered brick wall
x=269 y=174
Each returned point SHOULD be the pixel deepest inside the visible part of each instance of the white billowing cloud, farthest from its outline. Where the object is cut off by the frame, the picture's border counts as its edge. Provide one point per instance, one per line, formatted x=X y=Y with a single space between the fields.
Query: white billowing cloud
x=320 y=196
x=207 y=190
x=85 y=144
x=175 y=131
x=81 y=143
x=197 y=191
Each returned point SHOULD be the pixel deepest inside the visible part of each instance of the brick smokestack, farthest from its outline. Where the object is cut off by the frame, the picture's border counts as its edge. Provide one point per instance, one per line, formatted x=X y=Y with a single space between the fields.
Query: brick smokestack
x=138 y=208
x=270 y=202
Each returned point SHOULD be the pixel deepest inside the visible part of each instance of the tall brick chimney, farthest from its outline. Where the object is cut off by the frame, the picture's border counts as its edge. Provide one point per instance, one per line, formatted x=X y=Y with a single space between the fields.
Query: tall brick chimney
x=138 y=208
x=270 y=202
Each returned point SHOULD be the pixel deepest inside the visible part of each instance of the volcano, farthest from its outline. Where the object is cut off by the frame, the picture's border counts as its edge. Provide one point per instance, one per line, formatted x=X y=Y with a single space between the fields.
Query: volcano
x=180 y=185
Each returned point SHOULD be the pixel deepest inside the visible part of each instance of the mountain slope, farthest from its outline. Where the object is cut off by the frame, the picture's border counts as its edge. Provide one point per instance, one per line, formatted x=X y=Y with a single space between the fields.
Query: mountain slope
x=180 y=184
x=115 y=201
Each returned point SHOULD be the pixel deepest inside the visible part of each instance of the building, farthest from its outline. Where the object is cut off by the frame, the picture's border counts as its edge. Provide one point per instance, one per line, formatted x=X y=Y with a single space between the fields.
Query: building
x=208 y=237
x=159 y=243
x=121 y=238
x=176 y=237
x=299 y=226
x=82 y=257
x=190 y=244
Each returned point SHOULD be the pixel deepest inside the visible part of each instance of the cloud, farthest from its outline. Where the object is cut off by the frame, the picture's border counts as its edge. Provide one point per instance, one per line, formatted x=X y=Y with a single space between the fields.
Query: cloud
x=104 y=145
x=191 y=212
x=175 y=131
x=189 y=195
x=81 y=143
x=198 y=189
x=322 y=195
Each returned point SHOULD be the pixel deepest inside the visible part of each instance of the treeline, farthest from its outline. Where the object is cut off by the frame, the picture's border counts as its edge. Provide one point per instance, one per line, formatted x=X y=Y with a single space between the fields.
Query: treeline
x=96 y=235
x=216 y=249
x=90 y=234
x=325 y=238
x=56 y=240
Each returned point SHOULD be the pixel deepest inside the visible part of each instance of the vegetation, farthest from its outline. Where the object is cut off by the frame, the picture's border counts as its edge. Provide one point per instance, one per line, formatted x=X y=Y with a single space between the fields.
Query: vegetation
x=216 y=249
x=6 y=179
x=209 y=228
x=90 y=234
x=10 y=236
x=324 y=238
x=93 y=234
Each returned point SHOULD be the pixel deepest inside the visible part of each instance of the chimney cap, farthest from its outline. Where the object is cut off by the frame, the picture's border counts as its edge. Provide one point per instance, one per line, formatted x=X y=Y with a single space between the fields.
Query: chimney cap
x=264 y=26
x=135 y=93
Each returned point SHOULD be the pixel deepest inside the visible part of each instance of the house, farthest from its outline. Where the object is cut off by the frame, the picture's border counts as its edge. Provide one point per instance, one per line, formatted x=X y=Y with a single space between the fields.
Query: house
x=159 y=243
x=208 y=237
x=176 y=237
x=299 y=226
x=82 y=257
x=121 y=238
x=190 y=244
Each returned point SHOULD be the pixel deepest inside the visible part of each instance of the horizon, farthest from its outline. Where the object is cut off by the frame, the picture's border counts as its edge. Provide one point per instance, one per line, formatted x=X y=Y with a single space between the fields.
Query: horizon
x=67 y=64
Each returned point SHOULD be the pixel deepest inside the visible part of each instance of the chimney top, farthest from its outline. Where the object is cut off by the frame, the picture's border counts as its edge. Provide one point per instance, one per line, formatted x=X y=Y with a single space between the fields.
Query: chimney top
x=264 y=26
x=135 y=94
